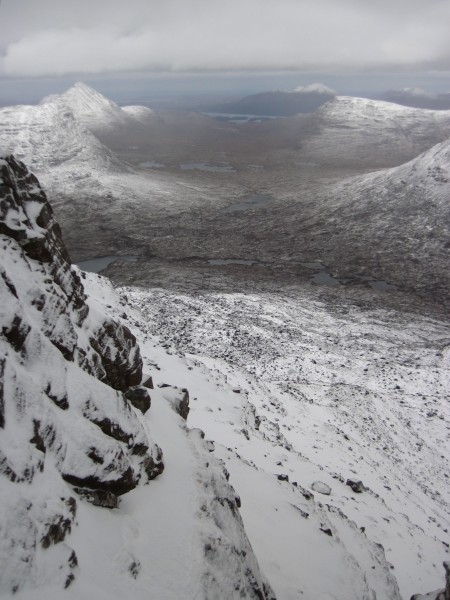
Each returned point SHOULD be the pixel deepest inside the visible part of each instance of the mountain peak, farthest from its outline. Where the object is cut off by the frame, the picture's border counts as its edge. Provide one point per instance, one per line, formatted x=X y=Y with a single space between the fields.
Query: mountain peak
x=88 y=99
x=314 y=88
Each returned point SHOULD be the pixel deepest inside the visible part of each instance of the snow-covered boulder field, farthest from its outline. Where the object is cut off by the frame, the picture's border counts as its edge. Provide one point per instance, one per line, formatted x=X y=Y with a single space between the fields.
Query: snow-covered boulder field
x=78 y=441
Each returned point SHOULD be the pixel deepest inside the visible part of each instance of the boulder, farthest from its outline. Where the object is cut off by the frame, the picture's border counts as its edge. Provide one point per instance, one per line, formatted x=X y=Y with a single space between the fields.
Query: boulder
x=321 y=488
x=139 y=398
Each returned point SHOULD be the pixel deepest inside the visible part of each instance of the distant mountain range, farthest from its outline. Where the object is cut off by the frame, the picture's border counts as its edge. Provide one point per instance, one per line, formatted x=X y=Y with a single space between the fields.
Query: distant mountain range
x=417 y=98
x=106 y=204
x=305 y=99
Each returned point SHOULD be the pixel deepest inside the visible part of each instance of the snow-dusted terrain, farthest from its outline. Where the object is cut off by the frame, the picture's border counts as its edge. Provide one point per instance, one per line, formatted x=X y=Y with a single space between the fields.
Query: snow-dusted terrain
x=293 y=389
x=331 y=414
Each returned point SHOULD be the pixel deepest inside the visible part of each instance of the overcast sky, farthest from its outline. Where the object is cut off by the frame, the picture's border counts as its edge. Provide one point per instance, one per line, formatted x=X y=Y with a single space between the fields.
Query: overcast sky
x=48 y=38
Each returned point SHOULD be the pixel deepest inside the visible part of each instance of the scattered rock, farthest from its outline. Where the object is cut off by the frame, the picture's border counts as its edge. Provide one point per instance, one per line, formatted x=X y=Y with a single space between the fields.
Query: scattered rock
x=303 y=513
x=357 y=486
x=178 y=399
x=321 y=488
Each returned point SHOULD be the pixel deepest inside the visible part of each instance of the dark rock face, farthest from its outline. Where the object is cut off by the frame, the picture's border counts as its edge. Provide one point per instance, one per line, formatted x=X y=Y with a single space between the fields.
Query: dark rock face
x=148 y=383
x=139 y=398
x=65 y=378
x=357 y=486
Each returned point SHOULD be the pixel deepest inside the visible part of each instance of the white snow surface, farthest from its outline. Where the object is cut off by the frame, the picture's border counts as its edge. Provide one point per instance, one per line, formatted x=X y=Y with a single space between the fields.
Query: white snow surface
x=286 y=385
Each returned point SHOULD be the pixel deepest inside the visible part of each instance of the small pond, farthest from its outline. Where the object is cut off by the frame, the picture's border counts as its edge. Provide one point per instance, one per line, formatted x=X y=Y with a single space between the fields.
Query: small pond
x=151 y=164
x=254 y=201
x=96 y=265
x=240 y=118
x=232 y=261
x=222 y=168
x=322 y=277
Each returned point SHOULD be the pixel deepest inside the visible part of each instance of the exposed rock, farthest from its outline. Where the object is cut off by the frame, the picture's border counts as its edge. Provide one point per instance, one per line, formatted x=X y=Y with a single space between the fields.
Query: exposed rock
x=153 y=465
x=139 y=398
x=56 y=531
x=178 y=399
x=148 y=382
x=104 y=498
x=357 y=486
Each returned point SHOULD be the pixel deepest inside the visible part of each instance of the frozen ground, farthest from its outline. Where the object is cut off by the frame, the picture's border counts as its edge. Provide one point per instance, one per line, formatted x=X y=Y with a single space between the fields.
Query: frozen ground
x=294 y=390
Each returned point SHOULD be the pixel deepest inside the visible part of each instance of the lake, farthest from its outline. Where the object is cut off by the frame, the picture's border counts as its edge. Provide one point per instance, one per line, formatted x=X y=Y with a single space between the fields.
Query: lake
x=96 y=265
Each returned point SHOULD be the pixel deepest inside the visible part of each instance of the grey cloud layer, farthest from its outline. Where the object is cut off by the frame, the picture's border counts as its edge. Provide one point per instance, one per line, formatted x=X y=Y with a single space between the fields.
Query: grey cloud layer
x=54 y=37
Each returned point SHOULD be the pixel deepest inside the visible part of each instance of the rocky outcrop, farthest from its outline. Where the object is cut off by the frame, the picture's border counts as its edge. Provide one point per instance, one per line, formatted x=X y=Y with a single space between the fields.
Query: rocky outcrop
x=67 y=415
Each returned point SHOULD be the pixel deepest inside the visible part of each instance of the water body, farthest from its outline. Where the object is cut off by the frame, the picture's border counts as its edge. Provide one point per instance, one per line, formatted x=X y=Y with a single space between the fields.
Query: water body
x=232 y=118
x=323 y=277
x=224 y=168
x=255 y=201
x=96 y=265
x=232 y=261
x=151 y=164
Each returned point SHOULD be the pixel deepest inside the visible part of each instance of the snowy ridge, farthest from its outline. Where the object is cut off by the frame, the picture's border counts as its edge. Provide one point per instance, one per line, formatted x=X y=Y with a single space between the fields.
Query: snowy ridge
x=49 y=136
x=95 y=111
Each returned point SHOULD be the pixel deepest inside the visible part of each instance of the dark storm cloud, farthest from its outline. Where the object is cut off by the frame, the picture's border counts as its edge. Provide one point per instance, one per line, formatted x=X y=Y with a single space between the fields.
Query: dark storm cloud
x=55 y=37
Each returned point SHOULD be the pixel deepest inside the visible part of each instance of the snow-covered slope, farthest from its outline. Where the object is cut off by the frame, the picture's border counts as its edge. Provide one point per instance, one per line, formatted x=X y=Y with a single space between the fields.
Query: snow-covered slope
x=357 y=131
x=296 y=391
x=75 y=435
x=404 y=212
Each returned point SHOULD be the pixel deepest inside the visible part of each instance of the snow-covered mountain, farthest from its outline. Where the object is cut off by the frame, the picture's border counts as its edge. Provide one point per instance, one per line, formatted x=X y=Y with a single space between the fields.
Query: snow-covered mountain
x=77 y=441
x=96 y=112
x=357 y=131
x=407 y=211
x=55 y=139
x=393 y=224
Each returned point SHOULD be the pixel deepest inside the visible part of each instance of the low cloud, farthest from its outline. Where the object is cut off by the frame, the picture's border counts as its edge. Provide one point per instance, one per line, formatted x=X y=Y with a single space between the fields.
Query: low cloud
x=57 y=38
